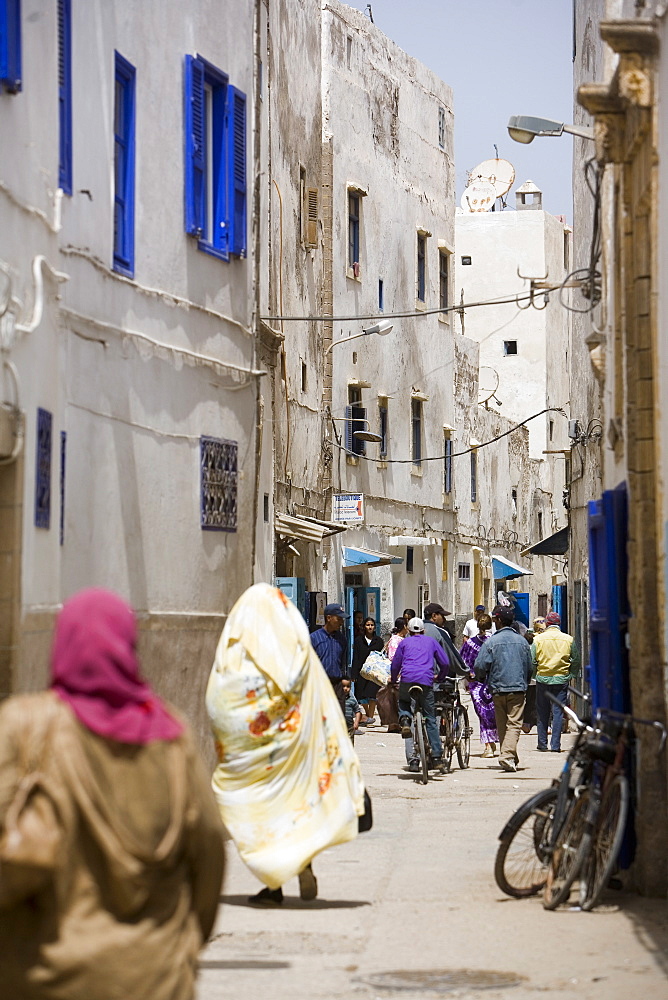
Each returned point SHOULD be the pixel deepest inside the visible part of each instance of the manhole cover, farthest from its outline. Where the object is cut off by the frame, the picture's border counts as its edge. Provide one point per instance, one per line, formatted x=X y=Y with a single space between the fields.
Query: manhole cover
x=441 y=980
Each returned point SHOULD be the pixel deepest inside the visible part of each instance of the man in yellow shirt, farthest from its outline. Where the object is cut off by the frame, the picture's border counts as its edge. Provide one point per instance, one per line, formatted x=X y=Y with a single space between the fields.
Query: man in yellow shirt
x=556 y=662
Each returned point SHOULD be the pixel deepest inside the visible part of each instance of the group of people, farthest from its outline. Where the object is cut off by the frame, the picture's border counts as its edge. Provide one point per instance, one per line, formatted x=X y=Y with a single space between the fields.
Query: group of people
x=111 y=831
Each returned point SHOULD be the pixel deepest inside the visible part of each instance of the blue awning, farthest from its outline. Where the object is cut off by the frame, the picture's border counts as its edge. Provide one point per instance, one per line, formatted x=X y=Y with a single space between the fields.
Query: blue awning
x=367 y=557
x=504 y=569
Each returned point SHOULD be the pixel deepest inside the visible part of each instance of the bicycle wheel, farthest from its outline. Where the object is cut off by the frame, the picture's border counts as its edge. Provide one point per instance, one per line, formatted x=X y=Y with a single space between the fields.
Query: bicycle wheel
x=420 y=745
x=568 y=854
x=606 y=842
x=462 y=737
x=520 y=867
x=446 y=735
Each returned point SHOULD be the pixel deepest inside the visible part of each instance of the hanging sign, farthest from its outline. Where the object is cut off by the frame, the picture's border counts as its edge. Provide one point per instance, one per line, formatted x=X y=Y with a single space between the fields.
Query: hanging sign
x=348 y=507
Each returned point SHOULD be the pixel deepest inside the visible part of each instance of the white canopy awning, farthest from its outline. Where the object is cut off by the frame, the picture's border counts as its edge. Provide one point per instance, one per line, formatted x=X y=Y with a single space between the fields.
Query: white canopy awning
x=411 y=540
x=310 y=529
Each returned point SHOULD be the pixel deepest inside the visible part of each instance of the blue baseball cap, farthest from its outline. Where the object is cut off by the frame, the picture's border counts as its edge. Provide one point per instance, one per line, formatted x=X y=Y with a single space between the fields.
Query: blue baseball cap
x=336 y=609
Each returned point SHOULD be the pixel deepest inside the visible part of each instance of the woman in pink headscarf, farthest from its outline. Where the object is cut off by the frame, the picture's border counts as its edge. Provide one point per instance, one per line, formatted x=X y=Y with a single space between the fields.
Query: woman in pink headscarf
x=134 y=895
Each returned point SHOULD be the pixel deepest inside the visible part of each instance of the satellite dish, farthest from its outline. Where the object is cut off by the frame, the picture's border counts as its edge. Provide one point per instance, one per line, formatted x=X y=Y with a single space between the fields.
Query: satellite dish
x=499 y=173
x=479 y=196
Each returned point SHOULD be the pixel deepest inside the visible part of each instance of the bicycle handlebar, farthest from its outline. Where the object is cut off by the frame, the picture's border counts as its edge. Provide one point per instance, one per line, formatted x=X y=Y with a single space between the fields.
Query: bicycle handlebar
x=625 y=717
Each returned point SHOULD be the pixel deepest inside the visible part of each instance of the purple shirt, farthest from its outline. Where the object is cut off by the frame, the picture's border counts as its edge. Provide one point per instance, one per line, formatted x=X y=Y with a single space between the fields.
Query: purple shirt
x=414 y=660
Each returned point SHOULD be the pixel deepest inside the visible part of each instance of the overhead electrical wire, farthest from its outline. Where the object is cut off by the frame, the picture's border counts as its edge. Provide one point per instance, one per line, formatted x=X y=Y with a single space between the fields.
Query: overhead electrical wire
x=456 y=454
x=509 y=300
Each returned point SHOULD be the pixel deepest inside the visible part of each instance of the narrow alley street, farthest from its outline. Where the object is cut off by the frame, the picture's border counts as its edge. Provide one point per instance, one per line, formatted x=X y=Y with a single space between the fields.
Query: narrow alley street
x=417 y=894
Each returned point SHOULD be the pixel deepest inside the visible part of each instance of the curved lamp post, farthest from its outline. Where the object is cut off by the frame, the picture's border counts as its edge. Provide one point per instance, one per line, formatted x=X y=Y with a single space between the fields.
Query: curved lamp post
x=381 y=328
x=525 y=128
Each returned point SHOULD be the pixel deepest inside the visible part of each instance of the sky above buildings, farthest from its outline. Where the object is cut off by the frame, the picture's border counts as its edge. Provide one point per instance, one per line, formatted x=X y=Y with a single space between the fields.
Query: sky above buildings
x=501 y=58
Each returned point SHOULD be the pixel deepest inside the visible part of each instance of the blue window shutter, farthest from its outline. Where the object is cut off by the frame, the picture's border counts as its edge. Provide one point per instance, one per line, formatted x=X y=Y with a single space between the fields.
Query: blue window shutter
x=195 y=147
x=348 y=432
x=10 y=45
x=236 y=169
x=65 y=95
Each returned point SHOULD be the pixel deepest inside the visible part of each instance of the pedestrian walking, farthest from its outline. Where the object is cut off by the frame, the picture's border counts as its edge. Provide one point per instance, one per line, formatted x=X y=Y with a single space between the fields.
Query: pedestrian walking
x=330 y=646
x=132 y=890
x=399 y=632
x=505 y=663
x=419 y=660
x=556 y=659
x=481 y=695
x=408 y=614
x=365 y=691
x=471 y=627
x=288 y=782
x=353 y=710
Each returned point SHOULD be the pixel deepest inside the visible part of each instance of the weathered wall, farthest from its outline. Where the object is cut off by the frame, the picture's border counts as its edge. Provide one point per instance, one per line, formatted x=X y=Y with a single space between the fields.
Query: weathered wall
x=133 y=412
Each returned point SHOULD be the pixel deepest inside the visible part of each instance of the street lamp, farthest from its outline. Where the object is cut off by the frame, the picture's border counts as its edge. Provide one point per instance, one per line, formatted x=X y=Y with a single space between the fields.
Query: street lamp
x=525 y=128
x=381 y=328
x=362 y=435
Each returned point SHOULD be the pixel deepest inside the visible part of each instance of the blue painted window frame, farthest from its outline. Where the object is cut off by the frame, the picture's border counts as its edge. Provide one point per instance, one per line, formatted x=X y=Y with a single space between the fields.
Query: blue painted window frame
x=63 y=453
x=10 y=46
x=65 y=95
x=43 y=449
x=124 y=166
x=215 y=160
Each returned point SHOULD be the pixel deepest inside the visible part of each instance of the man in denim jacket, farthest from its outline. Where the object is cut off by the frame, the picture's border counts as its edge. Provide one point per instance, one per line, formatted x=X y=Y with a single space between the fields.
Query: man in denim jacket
x=505 y=663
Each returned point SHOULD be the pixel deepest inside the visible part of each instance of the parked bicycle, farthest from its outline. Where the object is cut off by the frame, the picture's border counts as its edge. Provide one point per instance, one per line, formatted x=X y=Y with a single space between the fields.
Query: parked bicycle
x=454 y=727
x=576 y=827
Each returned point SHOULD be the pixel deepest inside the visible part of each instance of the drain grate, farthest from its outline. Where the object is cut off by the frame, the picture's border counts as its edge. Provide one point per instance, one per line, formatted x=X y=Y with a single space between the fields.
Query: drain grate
x=441 y=980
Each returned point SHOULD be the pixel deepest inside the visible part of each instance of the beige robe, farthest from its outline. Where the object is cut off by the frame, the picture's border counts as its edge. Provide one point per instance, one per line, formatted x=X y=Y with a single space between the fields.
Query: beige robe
x=136 y=896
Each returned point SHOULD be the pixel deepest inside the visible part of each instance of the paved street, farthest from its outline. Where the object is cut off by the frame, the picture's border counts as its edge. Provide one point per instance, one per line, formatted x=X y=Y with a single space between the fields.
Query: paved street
x=417 y=893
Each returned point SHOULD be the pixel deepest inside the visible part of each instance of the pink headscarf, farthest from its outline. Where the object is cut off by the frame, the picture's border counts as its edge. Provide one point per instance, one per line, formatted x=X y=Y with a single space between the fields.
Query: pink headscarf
x=95 y=670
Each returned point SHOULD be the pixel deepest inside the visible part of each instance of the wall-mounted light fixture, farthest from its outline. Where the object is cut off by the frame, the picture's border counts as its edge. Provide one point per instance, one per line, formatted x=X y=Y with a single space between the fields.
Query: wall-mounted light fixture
x=525 y=128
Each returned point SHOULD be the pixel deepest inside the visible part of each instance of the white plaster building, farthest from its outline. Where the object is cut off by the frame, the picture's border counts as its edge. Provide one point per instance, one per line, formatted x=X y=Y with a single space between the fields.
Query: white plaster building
x=129 y=338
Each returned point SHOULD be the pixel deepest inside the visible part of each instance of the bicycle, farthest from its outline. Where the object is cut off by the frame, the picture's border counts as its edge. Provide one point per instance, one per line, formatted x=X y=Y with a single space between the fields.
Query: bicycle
x=526 y=841
x=454 y=728
x=420 y=738
x=591 y=838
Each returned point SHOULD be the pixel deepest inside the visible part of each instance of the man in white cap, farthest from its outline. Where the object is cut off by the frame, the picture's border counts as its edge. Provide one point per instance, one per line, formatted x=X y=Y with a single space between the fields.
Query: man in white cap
x=414 y=662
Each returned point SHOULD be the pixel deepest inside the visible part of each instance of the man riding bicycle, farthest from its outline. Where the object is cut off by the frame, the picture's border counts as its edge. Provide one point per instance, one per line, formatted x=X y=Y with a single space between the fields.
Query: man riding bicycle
x=419 y=661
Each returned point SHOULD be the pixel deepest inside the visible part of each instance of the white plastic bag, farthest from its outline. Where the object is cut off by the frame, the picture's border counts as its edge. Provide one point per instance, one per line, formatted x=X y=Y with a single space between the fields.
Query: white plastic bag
x=376 y=668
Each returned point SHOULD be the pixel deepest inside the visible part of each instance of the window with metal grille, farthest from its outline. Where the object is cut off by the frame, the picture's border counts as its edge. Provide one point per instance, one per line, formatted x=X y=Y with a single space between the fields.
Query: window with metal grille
x=443 y=269
x=441 y=127
x=65 y=95
x=312 y=217
x=447 y=462
x=218 y=481
x=215 y=160
x=416 y=431
x=421 y=267
x=353 y=229
x=464 y=571
x=43 y=469
x=124 y=167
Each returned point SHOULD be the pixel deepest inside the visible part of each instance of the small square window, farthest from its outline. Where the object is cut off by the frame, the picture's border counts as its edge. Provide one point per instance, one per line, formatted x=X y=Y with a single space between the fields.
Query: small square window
x=510 y=347
x=466 y=261
x=464 y=571
x=218 y=482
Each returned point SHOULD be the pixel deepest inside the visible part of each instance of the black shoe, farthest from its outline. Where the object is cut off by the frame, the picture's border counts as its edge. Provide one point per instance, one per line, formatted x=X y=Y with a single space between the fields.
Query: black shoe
x=406 y=726
x=267 y=897
x=414 y=766
x=436 y=762
x=542 y=749
x=555 y=751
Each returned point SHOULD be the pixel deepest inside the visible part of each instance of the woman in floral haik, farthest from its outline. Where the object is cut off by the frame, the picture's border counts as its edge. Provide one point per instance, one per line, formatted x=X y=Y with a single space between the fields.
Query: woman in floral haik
x=288 y=782
x=481 y=696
